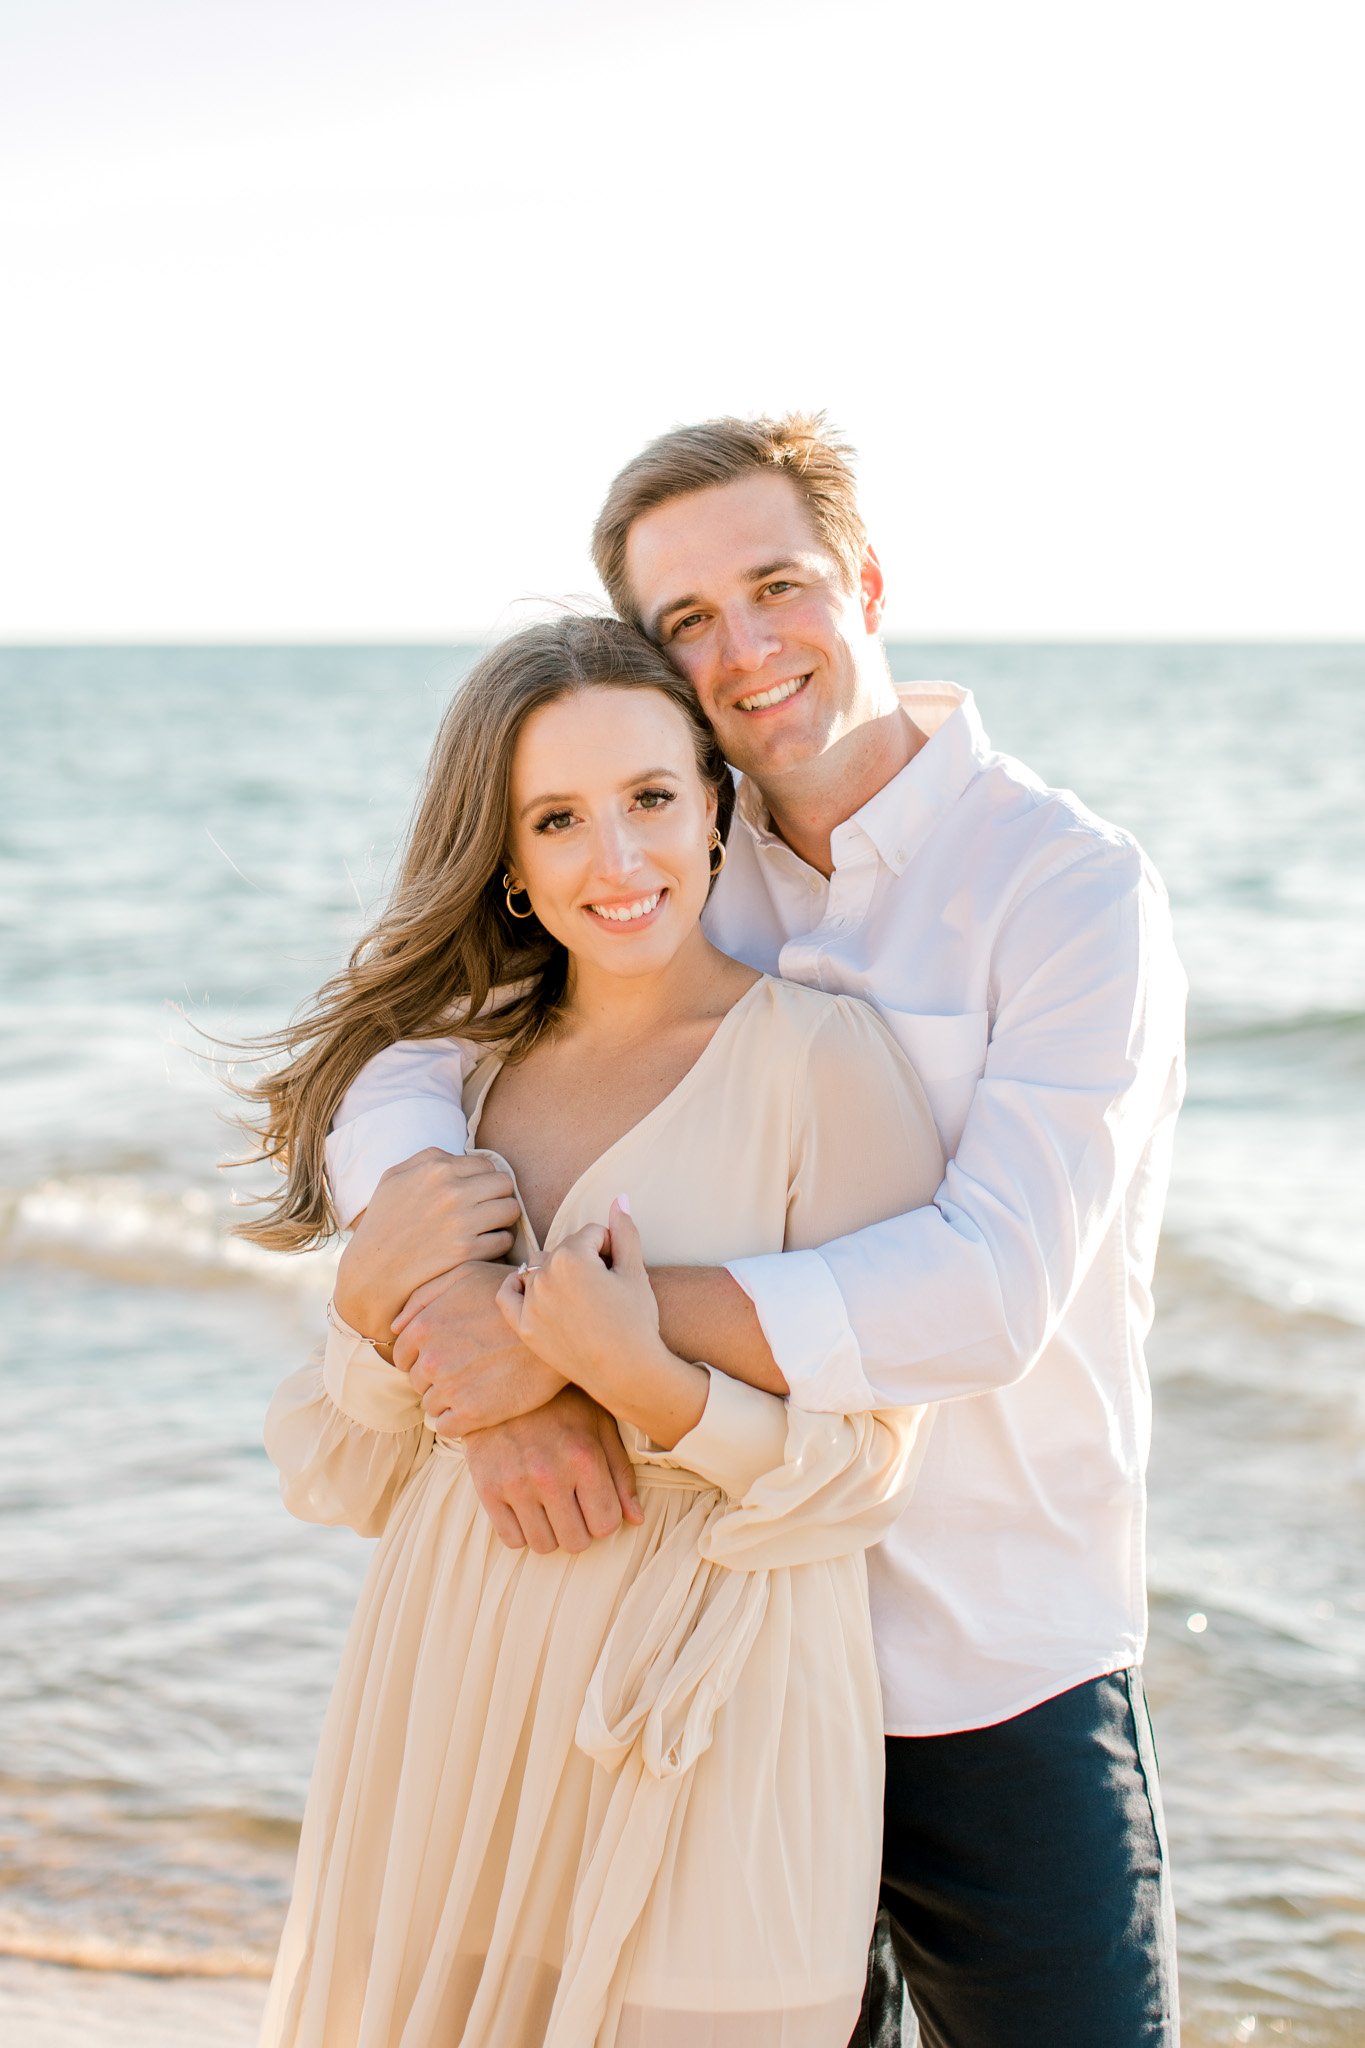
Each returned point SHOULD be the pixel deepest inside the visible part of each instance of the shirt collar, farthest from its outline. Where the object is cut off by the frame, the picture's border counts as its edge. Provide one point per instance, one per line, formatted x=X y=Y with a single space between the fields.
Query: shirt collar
x=896 y=820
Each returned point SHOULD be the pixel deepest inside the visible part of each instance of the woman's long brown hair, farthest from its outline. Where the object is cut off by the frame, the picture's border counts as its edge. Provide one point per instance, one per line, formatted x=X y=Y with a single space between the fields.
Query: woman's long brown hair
x=445 y=944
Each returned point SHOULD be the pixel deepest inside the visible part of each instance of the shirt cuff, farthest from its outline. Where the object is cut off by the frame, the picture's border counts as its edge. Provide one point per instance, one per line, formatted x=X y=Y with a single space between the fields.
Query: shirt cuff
x=804 y=1319
x=360 y=1151
x=364 y=1386
x=741 y=1435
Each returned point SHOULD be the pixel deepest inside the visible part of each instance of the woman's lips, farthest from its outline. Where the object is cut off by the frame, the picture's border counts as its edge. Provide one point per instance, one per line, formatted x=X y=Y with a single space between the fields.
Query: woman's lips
x=632 y=914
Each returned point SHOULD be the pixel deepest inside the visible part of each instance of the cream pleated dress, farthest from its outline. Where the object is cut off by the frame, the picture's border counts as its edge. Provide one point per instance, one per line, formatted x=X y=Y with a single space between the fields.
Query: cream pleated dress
x=629 y=1798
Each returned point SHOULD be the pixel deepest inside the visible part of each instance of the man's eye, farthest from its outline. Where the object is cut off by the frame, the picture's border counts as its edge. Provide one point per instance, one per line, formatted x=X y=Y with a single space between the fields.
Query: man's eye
x=554 y=821
x=682 y=625
x=778 y=586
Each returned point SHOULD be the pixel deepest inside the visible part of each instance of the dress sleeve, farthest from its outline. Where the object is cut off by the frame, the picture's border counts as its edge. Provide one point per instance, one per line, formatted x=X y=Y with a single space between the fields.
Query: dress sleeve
x=863 y=1147
x=346 y=1434
x=864 y=1143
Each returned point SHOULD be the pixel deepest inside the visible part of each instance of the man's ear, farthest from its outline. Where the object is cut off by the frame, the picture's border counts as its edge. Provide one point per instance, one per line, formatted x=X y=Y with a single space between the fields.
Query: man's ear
x=872 y=589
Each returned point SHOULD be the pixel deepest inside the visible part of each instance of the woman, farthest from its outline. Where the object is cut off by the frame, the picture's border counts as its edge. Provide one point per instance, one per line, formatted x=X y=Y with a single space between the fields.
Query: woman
x=631 y=1796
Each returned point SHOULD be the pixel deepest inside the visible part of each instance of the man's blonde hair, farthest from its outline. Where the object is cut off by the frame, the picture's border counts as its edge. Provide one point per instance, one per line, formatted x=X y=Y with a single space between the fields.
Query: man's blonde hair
x=801 y=445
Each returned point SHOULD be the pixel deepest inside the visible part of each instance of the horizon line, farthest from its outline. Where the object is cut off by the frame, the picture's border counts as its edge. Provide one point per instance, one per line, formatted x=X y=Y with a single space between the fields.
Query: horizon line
x=899 y=637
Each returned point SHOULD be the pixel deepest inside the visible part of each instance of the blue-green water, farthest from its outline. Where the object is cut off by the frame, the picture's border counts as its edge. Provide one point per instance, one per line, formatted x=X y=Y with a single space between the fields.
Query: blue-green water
x=197 y=830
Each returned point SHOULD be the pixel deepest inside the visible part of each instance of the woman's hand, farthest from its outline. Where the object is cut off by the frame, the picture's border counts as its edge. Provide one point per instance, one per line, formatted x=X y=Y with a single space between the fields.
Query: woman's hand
x=589 y=1311
x=433 y=1213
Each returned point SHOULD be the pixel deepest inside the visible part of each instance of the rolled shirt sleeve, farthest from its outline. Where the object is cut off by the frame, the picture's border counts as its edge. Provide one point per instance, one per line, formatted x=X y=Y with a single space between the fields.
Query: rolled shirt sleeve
x=1084 y=1064
x=404 y=1100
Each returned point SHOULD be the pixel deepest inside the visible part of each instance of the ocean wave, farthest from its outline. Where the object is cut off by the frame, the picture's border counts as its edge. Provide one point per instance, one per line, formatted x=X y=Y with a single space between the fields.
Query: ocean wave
x=94 y=1880
x=1192 y=1273
x=1339 y=1029
x=138 y=1958
x=122 y=1228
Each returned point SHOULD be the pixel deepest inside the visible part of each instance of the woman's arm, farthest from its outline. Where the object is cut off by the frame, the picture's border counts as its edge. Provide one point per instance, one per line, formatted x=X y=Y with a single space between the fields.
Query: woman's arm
x=598 y=1325
x=346 y=1434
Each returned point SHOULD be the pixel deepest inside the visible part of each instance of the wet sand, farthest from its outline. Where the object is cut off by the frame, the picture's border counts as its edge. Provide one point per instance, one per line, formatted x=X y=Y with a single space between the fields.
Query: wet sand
x=43 y=2005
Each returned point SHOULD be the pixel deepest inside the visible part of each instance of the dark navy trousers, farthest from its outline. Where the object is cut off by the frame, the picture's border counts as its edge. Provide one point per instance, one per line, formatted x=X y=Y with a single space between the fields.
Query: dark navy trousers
x=1026 y=1897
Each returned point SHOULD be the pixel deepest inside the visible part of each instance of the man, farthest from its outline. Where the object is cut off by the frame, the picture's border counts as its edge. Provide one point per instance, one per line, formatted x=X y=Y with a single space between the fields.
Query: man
x=1020 y=950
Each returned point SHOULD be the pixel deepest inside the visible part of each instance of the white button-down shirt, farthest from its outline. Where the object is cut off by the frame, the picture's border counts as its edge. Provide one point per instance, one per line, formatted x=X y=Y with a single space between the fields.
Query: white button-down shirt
x=1020 y=950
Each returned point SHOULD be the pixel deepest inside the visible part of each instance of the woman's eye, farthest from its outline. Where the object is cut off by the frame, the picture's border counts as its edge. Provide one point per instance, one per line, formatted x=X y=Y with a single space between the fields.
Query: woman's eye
x=554 y=821
x=654 y=799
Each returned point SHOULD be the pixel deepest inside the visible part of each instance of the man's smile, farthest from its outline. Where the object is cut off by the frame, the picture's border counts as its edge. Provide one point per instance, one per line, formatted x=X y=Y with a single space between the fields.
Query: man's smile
x=764 y=700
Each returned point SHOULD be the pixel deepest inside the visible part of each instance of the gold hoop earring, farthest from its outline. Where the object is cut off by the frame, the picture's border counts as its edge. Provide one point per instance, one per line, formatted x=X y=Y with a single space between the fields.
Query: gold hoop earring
x=716 y=845
x=512 y=889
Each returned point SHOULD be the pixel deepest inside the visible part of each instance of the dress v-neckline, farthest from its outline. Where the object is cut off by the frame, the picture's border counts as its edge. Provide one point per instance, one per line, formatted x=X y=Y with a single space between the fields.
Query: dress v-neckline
x=496 y=1063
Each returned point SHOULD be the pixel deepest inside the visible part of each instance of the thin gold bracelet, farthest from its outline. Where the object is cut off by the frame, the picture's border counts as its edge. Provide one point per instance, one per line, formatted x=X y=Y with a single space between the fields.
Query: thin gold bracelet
x=383 y=1345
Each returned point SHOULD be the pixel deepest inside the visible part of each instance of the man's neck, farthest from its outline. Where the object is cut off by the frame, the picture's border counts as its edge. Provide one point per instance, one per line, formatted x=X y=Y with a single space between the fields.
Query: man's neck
x=808 y=805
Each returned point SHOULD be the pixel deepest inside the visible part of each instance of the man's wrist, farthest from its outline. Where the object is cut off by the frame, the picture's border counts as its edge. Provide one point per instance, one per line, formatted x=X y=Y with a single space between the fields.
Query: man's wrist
x=705 y=1313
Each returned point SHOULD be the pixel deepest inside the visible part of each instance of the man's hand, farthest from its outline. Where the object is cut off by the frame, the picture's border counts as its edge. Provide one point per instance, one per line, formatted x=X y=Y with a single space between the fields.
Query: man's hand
x=434 y=1212
x=554 y=1479
x=470 y=1370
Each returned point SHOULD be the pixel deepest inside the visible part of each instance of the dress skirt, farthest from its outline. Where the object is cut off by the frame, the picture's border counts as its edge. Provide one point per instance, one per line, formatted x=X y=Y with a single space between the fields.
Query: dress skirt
x=686 y=1862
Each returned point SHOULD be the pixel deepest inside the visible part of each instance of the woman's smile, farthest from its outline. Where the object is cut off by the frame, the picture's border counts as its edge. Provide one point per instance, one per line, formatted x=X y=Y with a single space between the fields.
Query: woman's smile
x=631 y=915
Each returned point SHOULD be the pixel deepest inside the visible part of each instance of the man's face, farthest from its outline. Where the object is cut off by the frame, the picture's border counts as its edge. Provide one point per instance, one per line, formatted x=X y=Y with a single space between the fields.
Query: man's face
x=736 y=587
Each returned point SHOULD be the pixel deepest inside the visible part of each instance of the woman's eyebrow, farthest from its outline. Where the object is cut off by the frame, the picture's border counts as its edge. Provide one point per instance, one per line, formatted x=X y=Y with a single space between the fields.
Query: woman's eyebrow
x=537 y=803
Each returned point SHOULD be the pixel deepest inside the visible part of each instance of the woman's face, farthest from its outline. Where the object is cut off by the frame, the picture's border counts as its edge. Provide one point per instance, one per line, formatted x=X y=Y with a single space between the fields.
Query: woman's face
x=610 y=819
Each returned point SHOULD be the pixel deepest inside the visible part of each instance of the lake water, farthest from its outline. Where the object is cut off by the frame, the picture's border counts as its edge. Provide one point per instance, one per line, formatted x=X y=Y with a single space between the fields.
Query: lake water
x=195 y=831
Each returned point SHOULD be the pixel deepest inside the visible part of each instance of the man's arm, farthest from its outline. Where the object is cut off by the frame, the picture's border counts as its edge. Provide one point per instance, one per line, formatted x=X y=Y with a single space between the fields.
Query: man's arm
x=705 y=1313
x=1083 y=1071
x=403 y=1101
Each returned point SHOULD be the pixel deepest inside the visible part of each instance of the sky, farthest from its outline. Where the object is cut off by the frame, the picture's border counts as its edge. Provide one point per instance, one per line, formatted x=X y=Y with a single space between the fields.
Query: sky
x=328 y=320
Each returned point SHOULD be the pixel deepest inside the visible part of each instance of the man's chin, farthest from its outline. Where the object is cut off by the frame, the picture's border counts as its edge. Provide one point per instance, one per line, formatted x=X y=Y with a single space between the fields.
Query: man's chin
x=764 y=759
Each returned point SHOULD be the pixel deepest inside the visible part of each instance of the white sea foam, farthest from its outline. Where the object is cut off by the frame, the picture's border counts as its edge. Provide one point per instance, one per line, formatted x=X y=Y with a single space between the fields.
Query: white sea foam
x=120 y=1226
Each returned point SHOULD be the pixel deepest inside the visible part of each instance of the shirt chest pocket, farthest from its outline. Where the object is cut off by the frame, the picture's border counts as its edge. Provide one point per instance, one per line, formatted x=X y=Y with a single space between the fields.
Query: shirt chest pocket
x=949 y=1055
